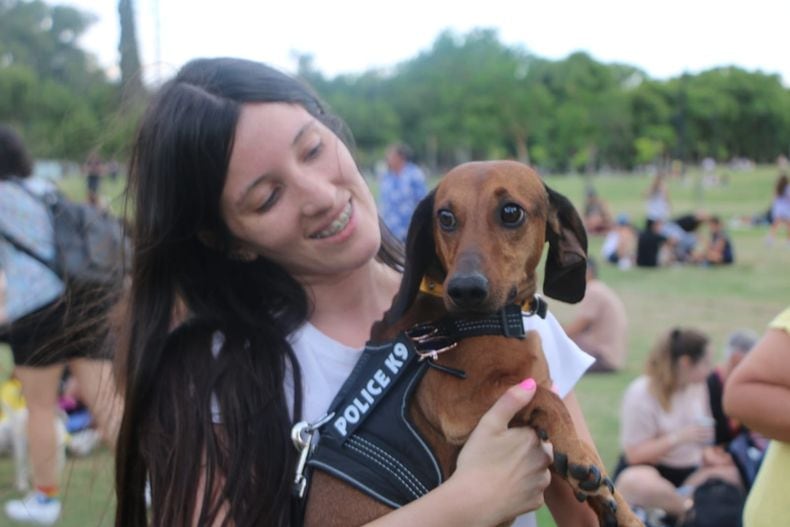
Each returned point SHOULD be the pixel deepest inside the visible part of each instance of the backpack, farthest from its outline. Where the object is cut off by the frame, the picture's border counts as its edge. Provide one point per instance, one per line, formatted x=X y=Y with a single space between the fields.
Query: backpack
x=717 y=503
x=91 y=250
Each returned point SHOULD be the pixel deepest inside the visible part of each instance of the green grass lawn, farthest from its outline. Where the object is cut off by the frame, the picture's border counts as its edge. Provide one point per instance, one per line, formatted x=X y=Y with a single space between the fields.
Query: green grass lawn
x=717 y=301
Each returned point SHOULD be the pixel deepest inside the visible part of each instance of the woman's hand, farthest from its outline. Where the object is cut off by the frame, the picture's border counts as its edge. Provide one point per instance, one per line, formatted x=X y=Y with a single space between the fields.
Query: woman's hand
x=505 y=469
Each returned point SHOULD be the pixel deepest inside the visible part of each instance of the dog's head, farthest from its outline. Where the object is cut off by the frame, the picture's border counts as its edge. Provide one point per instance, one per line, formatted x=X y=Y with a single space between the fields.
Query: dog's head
x=481 y=234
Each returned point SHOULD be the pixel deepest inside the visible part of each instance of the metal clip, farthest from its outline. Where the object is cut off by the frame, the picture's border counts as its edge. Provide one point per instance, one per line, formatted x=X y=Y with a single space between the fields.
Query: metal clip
x=302 y=435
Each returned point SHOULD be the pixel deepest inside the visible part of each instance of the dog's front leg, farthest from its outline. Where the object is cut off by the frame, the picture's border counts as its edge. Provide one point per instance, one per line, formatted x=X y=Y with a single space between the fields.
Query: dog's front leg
x=576 y=461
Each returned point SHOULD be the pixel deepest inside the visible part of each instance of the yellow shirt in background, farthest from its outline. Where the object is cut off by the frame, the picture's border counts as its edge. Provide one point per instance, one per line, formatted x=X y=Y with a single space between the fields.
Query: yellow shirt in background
x=768 y=504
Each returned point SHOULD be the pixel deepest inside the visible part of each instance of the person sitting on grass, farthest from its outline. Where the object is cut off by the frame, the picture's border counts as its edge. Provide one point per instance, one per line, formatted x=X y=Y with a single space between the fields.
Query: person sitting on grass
x=718 y=249
x=666 y=425
x=600 y=326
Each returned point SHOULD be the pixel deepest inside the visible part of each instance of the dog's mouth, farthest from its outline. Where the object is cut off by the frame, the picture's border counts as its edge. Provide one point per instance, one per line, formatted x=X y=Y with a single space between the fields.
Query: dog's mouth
x=492 y=304
x=512 y=295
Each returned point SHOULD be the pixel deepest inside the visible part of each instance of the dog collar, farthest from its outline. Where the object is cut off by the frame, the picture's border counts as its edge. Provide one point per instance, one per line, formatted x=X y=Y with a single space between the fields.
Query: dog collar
x=534 y=306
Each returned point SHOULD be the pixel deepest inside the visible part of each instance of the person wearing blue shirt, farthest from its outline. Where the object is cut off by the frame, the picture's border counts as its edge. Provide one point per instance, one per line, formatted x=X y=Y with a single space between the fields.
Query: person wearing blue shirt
x=400 y=189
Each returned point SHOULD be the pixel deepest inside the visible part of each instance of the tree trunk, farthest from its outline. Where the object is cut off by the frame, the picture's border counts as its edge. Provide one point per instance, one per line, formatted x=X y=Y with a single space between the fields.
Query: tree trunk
x=132 y=90
x=522 y=151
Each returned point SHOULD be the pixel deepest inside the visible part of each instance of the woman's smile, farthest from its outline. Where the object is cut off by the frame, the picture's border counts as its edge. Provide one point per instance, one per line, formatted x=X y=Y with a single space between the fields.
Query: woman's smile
x=337 y=225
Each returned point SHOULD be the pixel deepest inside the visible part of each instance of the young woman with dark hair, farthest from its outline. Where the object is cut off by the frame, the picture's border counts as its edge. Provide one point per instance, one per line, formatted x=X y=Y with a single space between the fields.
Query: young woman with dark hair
x=259 y=266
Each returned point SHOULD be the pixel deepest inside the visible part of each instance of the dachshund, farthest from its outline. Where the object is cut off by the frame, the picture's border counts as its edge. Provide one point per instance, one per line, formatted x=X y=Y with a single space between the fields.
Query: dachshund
x=474 y=246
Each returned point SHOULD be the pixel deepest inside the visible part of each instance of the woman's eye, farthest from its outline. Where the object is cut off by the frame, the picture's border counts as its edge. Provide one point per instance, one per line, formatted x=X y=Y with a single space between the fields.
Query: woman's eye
x=512 y=215
x=270 y=201
x=446 y=219
x=314 y=152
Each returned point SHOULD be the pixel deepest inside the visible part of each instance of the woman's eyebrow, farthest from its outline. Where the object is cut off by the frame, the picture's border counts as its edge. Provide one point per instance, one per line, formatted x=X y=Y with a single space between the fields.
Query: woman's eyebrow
x=307 y=126
x=263 y=177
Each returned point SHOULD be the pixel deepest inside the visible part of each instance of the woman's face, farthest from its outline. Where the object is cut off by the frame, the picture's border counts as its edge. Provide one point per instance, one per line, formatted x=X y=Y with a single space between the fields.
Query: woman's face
x=695 y=372
x=293 y=194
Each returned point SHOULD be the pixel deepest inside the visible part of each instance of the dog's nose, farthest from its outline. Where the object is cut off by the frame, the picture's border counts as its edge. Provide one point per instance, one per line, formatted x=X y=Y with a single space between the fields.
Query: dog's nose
x=468 y=290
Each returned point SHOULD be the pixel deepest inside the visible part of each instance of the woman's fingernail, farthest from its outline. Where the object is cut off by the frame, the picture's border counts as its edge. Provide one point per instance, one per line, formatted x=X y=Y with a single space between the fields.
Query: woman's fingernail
x=555 y=389
x=528 y=385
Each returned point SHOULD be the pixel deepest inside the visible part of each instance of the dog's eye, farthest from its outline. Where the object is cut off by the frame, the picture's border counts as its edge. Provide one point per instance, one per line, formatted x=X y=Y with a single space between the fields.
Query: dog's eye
x=512 y=215
x=446 y=219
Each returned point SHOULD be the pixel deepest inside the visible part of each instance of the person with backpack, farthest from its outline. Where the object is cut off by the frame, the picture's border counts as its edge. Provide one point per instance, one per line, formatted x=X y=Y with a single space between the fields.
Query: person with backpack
x=45 y=326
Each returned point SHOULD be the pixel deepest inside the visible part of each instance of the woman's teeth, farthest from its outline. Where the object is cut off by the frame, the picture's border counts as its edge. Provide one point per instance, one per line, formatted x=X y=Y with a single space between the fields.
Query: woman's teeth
x=337 y=225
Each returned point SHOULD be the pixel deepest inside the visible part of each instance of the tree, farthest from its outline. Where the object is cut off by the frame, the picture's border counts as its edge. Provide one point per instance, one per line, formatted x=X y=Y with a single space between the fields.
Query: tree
x=131 y=75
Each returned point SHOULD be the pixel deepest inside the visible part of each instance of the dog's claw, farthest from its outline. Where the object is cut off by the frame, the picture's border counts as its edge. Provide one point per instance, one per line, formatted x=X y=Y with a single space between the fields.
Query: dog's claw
x=561 y=463
x=589 y=477
x=610 y=520
x=608 y=482
x=579 y=472
x=581 y=496
x=542 y=434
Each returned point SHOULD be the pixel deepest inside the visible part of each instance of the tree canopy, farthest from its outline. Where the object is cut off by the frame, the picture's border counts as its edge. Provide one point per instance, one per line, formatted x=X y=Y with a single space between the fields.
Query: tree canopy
x=468 y=96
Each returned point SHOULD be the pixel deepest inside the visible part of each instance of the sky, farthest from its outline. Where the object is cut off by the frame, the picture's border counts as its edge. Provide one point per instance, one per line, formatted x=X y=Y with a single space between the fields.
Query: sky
x=665 y=39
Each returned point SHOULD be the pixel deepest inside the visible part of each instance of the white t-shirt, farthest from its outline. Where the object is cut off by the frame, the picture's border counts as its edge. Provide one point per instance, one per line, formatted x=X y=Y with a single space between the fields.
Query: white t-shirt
x=326 y=363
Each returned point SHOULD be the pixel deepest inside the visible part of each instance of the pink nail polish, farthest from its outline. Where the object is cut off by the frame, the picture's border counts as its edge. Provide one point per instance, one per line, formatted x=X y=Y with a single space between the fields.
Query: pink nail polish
x=528 y=385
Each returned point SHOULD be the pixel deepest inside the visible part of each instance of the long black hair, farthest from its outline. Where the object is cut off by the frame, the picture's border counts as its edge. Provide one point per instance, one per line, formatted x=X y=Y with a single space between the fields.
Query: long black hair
x=206 y=401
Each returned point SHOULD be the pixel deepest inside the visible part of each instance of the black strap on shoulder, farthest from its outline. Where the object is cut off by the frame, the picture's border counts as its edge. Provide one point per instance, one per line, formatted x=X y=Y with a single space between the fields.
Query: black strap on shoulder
x=366 y=438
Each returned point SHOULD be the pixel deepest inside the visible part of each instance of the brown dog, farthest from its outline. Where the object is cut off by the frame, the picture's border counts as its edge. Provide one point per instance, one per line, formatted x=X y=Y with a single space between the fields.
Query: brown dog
x=477 y=240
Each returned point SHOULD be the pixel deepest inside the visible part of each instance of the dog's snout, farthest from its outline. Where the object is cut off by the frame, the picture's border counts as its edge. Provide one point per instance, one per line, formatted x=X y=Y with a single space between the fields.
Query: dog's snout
x=468 y=290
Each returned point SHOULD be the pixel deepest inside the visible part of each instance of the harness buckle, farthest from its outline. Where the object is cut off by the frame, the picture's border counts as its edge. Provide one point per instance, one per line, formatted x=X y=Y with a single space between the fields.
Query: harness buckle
x=422 y=332
x=302 y=435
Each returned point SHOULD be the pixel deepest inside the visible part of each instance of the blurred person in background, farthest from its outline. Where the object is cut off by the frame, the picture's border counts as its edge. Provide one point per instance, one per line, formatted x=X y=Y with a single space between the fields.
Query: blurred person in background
x=658 y=206
x=600 y=325
x=780 y=209
x=718 y=248
x=597 y=218
x=40 y=330
x=401 y=188
x=757 y=393
x=94 y=170
x=739 y=343
x=619 y=246
x=665 y=426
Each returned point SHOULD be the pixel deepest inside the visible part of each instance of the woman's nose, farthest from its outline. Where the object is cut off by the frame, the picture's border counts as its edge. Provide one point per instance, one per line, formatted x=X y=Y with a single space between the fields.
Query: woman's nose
x=318 y=192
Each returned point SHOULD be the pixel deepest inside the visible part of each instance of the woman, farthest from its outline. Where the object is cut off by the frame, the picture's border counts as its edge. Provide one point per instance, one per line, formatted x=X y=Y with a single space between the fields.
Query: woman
x=254 y=224
x=43 y=325
x=658 y=205
x=757 y=393
x=666 y=424
x=780 y=208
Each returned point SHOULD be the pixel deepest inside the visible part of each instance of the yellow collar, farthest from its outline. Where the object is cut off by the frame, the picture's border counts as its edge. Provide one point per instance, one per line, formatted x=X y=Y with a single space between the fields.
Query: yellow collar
x=433 y=288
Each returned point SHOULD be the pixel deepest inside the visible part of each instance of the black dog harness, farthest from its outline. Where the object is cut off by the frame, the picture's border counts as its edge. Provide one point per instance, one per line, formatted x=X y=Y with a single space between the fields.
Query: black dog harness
x=380 y=452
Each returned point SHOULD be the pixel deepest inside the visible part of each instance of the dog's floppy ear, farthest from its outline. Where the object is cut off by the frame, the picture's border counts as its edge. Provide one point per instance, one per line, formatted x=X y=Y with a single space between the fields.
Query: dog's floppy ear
x=420 y=258
x=566 y=264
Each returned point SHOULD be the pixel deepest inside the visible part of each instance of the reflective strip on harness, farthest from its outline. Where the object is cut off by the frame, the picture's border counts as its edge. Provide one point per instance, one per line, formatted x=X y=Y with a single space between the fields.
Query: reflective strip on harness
x=379 y=453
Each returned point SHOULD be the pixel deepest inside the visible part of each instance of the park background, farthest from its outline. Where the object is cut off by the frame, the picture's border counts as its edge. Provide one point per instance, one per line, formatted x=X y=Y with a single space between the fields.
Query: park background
x=468 y=96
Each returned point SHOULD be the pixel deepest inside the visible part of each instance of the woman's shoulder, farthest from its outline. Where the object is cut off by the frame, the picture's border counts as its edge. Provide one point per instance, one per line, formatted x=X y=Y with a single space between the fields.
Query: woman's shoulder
x=637 y=387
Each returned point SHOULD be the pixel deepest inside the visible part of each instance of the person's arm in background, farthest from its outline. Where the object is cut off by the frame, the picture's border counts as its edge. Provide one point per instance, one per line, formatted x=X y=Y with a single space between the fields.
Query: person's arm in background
x=566 y=510
x=757 y=392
